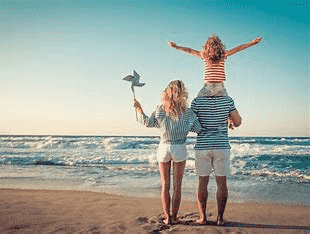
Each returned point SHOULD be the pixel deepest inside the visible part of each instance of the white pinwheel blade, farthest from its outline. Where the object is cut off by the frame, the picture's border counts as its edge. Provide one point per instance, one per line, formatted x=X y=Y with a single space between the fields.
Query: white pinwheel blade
x=136 y=75
x=139 y=84
x=129 y=78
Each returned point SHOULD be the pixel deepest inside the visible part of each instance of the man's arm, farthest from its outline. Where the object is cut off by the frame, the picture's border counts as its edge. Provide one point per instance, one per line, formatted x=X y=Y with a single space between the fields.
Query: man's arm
x=235 y=118
x=184 y=49
x=244 y=46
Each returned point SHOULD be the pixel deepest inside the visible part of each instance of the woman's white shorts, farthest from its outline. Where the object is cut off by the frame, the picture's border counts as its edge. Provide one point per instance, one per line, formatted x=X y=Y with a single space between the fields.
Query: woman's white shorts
x=218 y=159
x=169 y=152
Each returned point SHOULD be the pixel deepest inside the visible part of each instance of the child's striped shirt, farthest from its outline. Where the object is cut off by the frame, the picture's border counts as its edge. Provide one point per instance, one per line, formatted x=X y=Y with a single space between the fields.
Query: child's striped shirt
x=214 y=72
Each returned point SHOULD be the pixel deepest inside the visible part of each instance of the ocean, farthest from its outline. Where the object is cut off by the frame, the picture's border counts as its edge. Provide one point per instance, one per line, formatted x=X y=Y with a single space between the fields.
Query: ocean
x=263 y=169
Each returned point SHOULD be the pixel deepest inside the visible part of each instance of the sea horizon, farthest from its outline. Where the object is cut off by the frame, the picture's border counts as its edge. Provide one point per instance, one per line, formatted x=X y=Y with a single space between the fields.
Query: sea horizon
x=81 y=135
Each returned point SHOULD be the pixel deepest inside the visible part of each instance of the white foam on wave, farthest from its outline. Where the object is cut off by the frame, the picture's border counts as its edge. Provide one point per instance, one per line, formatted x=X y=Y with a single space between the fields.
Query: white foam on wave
x=257 y=149
x=269 y=173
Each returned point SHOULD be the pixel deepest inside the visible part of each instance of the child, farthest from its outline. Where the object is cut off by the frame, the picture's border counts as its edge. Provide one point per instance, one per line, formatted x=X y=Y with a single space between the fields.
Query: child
x=214 y=55
x=175 y=120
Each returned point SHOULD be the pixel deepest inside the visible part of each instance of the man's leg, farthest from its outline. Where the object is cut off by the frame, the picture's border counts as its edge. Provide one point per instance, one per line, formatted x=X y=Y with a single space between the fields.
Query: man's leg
x=178 y=171
x=222 y=195
x=164 y=168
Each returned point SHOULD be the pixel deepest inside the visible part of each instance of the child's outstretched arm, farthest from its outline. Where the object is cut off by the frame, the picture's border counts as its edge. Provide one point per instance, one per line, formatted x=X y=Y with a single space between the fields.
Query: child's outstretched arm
x=184 y=49
x=244 y=46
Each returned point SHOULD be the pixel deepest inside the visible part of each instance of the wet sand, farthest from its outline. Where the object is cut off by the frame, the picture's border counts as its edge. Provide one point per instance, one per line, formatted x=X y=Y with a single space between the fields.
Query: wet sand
x=63 y=211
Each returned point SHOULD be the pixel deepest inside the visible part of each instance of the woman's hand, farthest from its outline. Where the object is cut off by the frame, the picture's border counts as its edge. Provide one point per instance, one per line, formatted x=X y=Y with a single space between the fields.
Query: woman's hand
x=256 y=40
x=137 y=105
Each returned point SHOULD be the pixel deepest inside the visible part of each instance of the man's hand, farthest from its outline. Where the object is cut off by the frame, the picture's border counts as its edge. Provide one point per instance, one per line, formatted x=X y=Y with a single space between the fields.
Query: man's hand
x=230 y=124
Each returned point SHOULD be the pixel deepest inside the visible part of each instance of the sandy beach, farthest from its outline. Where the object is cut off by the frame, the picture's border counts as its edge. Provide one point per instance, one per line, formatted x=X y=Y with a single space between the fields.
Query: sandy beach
x=62 y=211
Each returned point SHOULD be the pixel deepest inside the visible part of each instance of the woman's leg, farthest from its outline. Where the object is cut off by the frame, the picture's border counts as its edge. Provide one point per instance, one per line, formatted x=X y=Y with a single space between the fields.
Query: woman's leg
x=222 y=195
x=164 y=168
x=202 y=198
x=178 y=172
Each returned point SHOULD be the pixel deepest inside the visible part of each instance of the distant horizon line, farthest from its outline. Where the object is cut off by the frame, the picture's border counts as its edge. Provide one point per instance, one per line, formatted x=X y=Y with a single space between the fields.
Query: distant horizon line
x=72 y=135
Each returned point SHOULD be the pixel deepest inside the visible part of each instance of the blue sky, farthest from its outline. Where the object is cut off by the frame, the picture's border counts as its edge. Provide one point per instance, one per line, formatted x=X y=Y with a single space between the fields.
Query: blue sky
x=62 y=63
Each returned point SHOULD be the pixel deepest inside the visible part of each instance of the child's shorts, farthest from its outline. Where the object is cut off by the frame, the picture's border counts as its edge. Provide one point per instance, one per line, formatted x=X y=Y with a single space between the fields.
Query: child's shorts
x=170 y=152
x=218 y=159
x=213 y=89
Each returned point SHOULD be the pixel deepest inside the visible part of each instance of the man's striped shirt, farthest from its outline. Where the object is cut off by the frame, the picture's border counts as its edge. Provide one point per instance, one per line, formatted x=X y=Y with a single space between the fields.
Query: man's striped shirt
x=213 y=113
x=172 y=132
x=214 y=72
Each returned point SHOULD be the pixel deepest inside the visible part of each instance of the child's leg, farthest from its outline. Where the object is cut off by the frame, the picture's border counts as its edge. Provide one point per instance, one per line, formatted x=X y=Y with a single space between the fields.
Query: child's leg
x=202 y=91
x=207 y=90
x=219 y=89
x=213 y=89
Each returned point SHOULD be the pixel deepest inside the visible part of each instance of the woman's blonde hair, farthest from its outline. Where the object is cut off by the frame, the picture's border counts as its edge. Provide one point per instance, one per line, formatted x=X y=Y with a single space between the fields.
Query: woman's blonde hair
x=174 y=99
x=213 y=49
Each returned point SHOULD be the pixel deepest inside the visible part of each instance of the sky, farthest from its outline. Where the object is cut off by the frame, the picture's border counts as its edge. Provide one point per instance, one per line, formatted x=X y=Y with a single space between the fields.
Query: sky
x=62 y=63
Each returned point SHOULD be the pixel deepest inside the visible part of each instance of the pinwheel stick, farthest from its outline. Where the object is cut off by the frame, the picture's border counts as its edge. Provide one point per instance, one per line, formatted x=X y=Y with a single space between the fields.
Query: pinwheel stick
x=133 y=90
x=134 y=97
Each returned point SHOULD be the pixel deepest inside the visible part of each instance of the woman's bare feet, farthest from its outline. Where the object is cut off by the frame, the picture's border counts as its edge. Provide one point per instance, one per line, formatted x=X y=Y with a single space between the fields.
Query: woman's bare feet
x=201 y=221
x=167 y=220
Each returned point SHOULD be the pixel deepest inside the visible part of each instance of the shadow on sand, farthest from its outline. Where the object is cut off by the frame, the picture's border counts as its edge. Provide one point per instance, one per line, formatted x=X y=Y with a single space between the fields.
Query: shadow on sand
x=155 y=224
x=244 y=225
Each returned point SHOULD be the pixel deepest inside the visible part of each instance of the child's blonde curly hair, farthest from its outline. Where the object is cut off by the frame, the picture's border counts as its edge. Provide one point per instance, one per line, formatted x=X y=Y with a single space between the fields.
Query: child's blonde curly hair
x=174 y=99
x=213 y=49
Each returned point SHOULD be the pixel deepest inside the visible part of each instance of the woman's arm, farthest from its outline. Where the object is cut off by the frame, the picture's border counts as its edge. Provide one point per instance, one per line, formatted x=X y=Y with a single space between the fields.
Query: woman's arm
x=244 y=46
x=195 y=125
x=184 y=49
x=138 y=106
x=235 y=118
x=151 y=121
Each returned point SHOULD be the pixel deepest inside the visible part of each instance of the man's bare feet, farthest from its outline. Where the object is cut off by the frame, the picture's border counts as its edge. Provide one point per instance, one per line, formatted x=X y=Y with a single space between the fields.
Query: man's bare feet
x=174 y=220
x=220 y=221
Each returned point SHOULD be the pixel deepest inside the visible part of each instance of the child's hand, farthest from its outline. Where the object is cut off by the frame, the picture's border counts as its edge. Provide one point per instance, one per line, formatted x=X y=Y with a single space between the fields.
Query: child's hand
x=172 y=44
x=257 y=40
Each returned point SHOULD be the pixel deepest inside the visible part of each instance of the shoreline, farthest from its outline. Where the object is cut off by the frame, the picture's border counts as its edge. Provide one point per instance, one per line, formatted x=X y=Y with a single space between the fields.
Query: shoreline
x=73 y=211
x=50 y=178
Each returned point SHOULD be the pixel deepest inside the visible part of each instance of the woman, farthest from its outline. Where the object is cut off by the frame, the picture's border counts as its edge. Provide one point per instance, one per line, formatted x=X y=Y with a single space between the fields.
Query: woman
x=175 y=120
x=212 y=149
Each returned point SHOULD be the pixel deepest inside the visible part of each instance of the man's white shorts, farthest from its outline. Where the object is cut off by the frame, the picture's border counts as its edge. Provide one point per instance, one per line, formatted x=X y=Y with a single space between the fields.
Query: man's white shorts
x=218 y=159
x=169 y=152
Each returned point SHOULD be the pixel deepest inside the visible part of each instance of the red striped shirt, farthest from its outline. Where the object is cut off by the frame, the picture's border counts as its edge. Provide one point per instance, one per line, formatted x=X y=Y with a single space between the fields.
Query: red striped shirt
x=214 y=72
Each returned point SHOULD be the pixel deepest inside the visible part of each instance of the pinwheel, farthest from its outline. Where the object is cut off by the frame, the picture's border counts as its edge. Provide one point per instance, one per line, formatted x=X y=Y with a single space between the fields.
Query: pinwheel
x=135 y=79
